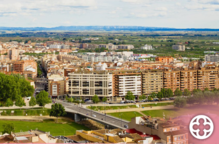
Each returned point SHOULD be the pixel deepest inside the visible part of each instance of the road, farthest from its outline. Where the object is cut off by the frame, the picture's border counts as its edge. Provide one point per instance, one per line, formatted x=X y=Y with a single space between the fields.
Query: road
x=101 y=117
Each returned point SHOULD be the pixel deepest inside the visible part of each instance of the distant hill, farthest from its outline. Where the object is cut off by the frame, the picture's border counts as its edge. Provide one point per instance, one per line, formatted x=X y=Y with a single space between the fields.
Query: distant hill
x=103 y=28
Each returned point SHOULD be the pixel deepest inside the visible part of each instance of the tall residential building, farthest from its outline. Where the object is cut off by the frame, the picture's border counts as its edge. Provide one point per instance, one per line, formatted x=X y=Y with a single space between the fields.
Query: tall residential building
x=171 y=79
x=208 y=78
x=179 y=47
x=212 y=58
x=13 y=54
x=152 y=81
x=124 y=81
x=89 y=84
x=188 y=79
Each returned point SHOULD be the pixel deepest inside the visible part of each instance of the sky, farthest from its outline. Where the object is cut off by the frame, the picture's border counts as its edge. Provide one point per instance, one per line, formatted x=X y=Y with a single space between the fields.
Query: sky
x=150 y=13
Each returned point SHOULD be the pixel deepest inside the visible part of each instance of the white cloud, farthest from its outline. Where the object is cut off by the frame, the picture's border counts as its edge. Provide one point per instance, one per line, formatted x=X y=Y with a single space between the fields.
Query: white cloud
x=27 y=7
x=161 y=9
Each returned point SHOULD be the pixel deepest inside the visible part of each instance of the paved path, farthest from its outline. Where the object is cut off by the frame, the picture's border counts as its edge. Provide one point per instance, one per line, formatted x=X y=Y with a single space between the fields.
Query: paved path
x=25 y=107
x=125 y=104
x=26 y=117
x=139 y=109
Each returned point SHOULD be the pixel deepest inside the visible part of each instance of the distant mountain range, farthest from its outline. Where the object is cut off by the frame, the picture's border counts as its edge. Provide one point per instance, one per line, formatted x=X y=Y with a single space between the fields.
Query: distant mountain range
x=103 y=28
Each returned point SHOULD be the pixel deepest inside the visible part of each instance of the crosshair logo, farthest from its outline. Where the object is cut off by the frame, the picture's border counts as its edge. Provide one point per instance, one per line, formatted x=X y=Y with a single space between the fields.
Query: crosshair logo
x=201 y=127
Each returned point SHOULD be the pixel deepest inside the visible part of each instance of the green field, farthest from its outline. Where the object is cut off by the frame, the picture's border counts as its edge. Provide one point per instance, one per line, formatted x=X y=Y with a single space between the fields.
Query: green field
x=157 y=104
x=54 y=128
x=23 y=112
x=159 y=113
x=125 y=115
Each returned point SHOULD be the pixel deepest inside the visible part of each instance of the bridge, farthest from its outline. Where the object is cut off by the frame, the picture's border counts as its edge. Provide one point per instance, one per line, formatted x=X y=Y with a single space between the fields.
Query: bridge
x=80 y=112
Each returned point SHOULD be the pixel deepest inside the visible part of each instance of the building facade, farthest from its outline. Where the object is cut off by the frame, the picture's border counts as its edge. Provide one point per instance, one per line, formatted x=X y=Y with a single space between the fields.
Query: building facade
x=89 y=84
x=179 y=47
x=164 y=59
x=212 y=58
x=152 y=81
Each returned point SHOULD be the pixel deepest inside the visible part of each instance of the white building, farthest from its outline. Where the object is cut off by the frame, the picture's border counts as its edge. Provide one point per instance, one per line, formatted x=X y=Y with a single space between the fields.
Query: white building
x=129 y=83
x=90 y=84
x=179 y=47
x=147 y=47
x=55 y=46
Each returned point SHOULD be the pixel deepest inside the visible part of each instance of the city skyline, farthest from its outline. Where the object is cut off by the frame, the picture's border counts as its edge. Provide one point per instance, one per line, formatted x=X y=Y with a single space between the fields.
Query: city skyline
x=159 y=13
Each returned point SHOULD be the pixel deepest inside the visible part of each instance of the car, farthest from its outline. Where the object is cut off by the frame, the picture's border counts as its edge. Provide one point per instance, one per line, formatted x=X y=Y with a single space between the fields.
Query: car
x=126 y=126
x=94 y=115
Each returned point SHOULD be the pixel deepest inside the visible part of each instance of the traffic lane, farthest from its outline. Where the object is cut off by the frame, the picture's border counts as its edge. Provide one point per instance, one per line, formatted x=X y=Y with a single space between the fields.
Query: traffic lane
x=103 y=118
x=100 y=117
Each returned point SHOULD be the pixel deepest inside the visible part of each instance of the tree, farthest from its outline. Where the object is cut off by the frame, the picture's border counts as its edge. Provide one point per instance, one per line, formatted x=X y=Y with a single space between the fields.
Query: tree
x=149 y=98
x=13 y=86
x=19 y=101
x=104 y=99
x=43 y=98
x=195 y=91
x=8 y=128
x=95 y=99
x=129 y=96
x=142 y=97
x=57 y=110
x=9 y=102
x=169 y=93
x=206 y=89
x=186 y=92
x=153 y=94
x=177 y=92
x=179 y=102
x=160 y=95
x=199 y=97
x=32 y=101
x=69 y=99
x=190 y=100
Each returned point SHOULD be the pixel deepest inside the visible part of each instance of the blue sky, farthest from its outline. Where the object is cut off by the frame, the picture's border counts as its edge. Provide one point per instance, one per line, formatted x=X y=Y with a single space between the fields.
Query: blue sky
x=152 y=13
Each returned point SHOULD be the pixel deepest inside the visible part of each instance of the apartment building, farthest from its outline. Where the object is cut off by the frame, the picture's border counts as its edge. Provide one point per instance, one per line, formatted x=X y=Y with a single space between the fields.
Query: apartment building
x=164 y=59
x=147 y=47
x=169 y=132
x=27 y=67
x=171 y=79
x=13 y=54
x=57 y=86
x=188 y=79
x=152 y=81
x=208 y=78
x=124 y=81
x=179 y=47
x=125 y=47
x=212 y=58
x=87 y=85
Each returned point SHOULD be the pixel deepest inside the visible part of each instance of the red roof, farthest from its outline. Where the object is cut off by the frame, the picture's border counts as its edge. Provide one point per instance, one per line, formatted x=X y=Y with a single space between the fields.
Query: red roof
x=155 y=137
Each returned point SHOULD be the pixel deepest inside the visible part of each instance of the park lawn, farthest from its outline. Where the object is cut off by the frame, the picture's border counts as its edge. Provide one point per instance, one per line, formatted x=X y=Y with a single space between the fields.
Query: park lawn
x=55 y=129
x=157 y=104
x=125 y=115
x=159 y=113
